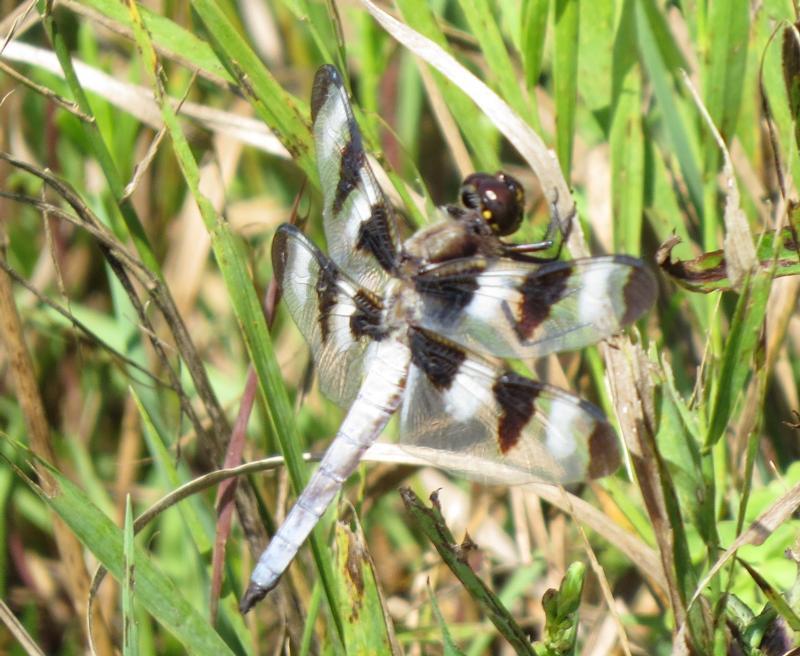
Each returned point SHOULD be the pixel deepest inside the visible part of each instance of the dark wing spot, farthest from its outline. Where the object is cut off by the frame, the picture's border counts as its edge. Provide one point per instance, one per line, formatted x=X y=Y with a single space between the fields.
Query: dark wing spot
x=280 y=254
x=326 y=298
x=446 y=290
x=515 y=395
x=540 y=291
x=366 y=320
x=604 y=458
x=375 y=237
x=349 y=167
x=438 y=359
x=327 y=76
x=640 y=291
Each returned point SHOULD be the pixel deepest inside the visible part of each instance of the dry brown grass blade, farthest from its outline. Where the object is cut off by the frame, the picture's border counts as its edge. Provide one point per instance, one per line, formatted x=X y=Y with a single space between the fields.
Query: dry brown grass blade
x=640 y=555
x=450 y=132
x=138 y=101
x=17 y=629
x=632 y=391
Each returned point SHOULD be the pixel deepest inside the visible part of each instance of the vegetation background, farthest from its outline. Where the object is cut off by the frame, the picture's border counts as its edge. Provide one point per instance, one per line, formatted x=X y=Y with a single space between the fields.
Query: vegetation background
x=146 y=164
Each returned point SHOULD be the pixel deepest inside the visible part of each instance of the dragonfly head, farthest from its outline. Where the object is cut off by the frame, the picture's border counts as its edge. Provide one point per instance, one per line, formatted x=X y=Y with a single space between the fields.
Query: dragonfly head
x=499 y=198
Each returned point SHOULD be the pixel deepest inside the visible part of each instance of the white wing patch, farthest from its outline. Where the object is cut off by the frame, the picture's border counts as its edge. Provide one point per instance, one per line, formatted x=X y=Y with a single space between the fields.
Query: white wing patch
x=559 y=442
x=469 y=393
x=593 y=302
x=490 y=296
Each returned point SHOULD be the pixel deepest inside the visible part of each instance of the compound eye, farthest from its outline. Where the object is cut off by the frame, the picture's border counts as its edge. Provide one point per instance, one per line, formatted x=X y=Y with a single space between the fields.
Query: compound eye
x=499 y=198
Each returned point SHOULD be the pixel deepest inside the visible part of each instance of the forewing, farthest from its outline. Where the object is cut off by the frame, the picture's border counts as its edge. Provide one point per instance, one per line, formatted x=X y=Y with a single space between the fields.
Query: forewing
x=338 y=319
x=516 y=309
x=359 y=221
x=466 y=414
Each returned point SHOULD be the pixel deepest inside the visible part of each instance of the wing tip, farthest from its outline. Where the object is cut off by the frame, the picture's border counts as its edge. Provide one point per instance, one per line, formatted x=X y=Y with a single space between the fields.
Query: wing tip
x=604 y=456
x=326 y=75
x=640 y=291
x=282 y=235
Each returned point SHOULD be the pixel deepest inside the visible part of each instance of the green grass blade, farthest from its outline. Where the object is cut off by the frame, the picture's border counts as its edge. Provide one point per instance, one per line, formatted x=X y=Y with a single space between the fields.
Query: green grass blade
x=565 y=74
x=282 y=112
x=781 y=605
x=534 y=31
x=432 y=524
x=233 y=266
x=626 y=136
x=478 y=135
x=365 y=627
x=155 y=592
x=449 y=647
x=172 y=40
x=317 y=16
x=172 y=479
x=660 y=75
x=728 y=28
x=738 y=355
x=490 y=40
x=518 y=585
x=130 y=632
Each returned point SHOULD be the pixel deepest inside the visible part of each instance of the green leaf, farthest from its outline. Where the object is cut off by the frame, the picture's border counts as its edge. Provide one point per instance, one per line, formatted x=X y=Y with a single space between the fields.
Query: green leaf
x=708 y=272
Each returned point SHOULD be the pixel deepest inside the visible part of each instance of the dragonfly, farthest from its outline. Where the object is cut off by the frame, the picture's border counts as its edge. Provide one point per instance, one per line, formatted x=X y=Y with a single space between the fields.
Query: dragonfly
x=425 y=327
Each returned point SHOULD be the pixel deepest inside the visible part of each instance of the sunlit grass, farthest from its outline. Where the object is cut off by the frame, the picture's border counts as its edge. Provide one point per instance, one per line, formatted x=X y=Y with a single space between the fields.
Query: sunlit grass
x=138 y=257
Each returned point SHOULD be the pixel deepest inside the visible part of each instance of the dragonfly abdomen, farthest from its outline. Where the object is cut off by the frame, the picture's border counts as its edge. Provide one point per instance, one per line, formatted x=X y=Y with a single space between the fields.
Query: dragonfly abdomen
x=380 y=396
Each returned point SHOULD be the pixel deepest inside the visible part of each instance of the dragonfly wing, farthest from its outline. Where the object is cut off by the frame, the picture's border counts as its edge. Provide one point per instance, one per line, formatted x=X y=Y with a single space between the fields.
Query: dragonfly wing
x=506 y=308
x=470 y=415
x=359 y=221
x=338 y=318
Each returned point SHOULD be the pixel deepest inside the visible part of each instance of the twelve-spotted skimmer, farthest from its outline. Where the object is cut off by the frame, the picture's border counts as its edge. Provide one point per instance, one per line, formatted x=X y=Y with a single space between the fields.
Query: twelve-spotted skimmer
x=422 y=327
